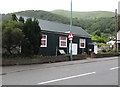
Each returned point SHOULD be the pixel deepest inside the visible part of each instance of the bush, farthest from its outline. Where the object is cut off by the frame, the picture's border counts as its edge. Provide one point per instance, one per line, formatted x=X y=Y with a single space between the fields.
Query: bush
x=109 y=52
x=102 y=44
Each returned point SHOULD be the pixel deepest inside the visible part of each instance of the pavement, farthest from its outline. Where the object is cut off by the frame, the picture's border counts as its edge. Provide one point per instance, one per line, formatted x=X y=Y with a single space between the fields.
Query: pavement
x=21 y=68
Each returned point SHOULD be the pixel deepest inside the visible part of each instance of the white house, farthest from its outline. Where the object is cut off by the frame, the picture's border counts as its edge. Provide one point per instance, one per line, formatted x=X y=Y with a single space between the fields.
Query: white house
x=111 y=43
x=118 y=39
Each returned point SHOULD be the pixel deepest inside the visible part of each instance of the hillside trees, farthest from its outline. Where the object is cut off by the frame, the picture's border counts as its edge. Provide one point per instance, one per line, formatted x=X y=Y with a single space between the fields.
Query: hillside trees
x=97 y=37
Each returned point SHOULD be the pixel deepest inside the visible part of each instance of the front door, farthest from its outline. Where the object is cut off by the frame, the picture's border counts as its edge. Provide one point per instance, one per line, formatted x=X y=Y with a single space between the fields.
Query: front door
x=74 y=48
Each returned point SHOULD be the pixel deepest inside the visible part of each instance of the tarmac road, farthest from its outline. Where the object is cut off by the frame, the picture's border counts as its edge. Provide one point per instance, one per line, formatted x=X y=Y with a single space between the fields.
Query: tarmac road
x=92 y=73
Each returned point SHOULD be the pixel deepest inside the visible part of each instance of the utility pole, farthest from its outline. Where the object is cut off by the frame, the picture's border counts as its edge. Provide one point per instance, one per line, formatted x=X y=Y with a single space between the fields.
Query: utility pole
x=70 y=31
x=116 y=29
x=71 y=15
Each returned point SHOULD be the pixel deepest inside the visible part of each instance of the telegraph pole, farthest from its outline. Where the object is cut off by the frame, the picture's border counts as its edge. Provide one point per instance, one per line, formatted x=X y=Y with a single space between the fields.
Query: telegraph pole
x=71 y=15
x=116 y=29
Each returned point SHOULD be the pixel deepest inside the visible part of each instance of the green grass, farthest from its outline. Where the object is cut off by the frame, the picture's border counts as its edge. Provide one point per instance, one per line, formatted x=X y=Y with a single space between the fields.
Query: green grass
x=84 y=15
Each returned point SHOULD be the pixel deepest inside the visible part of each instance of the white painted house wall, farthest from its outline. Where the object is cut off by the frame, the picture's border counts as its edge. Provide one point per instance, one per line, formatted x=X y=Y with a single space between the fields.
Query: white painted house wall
x=118 y=37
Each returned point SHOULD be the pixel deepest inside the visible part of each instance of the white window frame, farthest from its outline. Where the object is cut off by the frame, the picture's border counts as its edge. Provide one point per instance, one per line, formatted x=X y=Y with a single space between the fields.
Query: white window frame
x=45 y=41
x=62 y=41
x=82 y=41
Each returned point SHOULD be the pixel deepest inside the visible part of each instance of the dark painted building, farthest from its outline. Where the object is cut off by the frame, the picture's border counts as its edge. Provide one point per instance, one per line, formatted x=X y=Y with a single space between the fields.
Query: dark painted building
x=55 y=39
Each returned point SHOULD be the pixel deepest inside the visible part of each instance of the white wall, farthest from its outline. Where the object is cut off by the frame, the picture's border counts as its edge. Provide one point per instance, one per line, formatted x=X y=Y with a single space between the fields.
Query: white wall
x=118 y=36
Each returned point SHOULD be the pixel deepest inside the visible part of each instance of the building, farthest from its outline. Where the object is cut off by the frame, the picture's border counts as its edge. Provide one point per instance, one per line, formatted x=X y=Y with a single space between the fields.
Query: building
x=111 y=43
x=55 y=39
x=118 y=39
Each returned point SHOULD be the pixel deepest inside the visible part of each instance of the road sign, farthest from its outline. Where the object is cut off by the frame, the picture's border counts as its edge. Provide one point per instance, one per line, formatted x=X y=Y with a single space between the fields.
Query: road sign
x=70 y=35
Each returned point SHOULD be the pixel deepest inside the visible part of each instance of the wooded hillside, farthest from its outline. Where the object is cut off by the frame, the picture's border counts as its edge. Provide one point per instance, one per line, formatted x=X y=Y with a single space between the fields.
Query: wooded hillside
x=99 y=21
x=84 y=15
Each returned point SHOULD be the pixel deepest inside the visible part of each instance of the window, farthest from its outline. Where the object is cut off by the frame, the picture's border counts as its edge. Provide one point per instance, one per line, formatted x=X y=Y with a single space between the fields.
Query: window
x=44 y=41
x=82 y=43
x=62 y=41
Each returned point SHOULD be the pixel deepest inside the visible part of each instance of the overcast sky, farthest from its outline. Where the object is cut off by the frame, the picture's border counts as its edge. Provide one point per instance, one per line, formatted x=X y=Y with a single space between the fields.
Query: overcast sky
x=8 y=6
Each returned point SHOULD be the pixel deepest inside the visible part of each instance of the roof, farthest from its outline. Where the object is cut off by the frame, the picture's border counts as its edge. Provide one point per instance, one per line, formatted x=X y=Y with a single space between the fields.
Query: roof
x=59 y=27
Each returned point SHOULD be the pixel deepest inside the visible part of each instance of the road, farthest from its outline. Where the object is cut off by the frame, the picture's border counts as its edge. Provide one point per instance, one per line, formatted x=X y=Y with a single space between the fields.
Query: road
x=94 y=73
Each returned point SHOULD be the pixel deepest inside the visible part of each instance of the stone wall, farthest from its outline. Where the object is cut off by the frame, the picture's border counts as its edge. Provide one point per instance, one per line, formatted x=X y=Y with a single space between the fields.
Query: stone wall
x=40 y=60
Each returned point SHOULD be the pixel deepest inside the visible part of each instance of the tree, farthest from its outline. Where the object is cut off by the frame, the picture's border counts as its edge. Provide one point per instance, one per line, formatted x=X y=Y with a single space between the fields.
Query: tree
x=32 y=31
x=118 y=22
x=12 y=35
x=98 y=39
x=21 y=19
x=98 y=33
x=14 y=17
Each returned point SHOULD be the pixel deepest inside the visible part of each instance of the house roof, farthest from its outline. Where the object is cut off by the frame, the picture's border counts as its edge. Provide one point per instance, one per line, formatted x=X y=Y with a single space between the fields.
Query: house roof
x=64 y=28
x=59 y=27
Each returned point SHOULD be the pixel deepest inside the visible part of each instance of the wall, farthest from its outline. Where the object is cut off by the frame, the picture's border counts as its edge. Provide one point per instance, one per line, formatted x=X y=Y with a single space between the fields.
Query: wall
x=39 y=60
x=118 y=36
x=53 y=44
x=118 y=39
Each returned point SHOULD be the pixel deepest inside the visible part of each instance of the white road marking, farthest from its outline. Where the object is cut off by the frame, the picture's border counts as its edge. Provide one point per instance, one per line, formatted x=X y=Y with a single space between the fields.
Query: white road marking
x=114 y=68
x=41 y=83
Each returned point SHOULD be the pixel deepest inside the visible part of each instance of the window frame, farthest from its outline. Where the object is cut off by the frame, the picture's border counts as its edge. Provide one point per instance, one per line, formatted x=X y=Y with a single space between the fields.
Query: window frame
x=82 y=41
x=45 y=41
x=60 y=41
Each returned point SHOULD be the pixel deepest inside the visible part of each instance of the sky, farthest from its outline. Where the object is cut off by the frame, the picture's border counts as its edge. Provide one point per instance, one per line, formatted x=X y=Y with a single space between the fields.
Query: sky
x=8 y=6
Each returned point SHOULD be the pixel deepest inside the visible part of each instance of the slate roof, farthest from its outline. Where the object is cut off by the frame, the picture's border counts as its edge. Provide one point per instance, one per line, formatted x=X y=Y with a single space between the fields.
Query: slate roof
x=59 y=27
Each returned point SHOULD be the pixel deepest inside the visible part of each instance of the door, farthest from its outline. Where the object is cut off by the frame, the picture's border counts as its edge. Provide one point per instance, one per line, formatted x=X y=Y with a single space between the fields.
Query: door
x=74 y=48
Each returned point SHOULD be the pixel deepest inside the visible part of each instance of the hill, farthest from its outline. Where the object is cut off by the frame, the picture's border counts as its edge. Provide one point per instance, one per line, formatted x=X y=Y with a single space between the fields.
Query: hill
x=91 y=23
x=84 y=15
x=40 y=14
x=58 y=15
